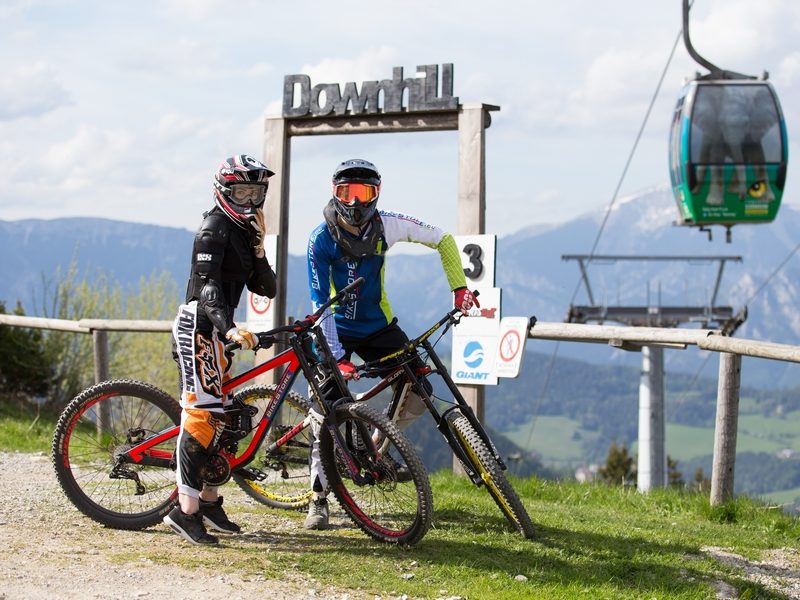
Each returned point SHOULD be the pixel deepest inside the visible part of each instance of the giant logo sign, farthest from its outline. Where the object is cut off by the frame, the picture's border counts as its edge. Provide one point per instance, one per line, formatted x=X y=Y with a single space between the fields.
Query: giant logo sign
x=325 y=98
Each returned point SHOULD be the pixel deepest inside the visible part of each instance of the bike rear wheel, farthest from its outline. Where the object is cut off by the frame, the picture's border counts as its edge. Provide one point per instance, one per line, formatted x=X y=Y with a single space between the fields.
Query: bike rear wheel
x=286 y=482
x=492 y=474
x=383 y=507
x=94 y=430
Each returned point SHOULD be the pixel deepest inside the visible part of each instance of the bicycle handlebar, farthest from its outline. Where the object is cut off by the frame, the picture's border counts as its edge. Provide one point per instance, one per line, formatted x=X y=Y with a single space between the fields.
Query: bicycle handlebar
x=365 y=367
x=267 y=338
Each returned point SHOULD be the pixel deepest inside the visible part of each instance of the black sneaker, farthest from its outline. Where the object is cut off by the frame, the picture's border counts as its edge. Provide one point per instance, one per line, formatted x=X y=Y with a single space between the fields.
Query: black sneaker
x=189 y=527
x=215 y=518
x=401 y=472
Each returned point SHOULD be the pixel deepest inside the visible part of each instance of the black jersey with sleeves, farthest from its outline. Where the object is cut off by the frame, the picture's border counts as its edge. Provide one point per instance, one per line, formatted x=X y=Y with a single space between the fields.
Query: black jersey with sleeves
x=223 y=263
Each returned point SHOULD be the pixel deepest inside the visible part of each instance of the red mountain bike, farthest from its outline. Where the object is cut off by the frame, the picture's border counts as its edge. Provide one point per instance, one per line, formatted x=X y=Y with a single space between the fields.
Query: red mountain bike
x=114 y=444
x=409 y=369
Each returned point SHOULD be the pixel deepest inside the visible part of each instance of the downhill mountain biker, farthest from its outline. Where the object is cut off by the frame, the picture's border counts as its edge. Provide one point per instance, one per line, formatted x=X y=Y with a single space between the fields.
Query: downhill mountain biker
x=351 y=243
x=227 y=255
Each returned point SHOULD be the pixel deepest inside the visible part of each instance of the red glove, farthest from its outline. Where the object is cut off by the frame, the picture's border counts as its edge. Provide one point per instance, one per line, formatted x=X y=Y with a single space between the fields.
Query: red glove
x=464 y=300
x=348 y=369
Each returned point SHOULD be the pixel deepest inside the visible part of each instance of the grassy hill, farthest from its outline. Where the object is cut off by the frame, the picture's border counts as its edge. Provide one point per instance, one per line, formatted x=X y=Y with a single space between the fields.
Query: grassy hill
x=593 y=541
x=573 y=424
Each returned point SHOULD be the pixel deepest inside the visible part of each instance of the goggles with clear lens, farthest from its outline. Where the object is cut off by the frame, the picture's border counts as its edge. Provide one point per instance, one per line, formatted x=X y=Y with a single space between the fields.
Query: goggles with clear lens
x=355 y=193
x=246 y=193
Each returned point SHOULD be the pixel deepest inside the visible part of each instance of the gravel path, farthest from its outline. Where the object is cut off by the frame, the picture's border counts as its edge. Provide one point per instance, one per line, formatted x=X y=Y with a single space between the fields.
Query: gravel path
x=50 y=550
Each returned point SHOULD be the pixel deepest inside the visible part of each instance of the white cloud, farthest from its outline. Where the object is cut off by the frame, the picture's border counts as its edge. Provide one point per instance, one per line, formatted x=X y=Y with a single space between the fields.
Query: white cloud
x=203 y=9
x=371 y=64
x=788 y=71
x=157 y=93
x=90 y=157
x=612 y=94
x=737 y=34
x=31 y=90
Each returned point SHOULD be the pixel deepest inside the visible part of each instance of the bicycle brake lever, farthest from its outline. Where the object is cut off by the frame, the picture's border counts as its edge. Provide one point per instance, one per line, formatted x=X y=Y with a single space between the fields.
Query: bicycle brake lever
x=264 y=342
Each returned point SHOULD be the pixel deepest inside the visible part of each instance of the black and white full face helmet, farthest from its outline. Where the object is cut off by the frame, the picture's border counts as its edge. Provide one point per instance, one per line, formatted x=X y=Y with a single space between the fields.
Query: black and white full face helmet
x=356 y=188
x=240 y=187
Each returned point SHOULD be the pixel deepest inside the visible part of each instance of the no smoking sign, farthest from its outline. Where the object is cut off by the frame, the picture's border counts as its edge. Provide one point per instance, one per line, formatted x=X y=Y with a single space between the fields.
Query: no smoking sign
x=260 y=304
x=510 y=346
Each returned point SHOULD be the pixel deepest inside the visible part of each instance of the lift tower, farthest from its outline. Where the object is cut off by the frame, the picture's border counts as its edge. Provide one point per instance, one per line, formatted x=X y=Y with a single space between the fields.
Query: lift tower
x=652 y=461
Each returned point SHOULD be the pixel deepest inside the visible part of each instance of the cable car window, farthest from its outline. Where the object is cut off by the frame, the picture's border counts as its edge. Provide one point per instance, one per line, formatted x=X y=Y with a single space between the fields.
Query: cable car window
x=735 y=124
x=675 y=143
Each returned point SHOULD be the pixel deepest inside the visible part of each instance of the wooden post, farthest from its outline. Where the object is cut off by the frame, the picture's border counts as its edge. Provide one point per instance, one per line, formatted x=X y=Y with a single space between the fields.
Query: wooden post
x=277 y=156
x=730 y=367
x=472 y=122
x=100 y=344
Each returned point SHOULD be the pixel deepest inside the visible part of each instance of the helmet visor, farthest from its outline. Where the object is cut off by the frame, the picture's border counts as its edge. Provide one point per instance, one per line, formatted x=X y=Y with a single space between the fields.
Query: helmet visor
x=248 y=194
x=351 y=194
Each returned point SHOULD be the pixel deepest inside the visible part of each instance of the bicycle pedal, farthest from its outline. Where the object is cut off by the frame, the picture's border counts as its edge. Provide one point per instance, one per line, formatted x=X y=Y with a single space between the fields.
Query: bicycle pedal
x=251 y=474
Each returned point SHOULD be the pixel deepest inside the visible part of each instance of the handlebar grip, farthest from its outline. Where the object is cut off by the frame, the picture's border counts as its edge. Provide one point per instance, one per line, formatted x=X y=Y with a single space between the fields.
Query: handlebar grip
x=231 y=346
x=353 y=285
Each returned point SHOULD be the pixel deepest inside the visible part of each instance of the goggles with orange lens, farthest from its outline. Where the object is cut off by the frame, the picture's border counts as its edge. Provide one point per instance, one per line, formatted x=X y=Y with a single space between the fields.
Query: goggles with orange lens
x=355 y=193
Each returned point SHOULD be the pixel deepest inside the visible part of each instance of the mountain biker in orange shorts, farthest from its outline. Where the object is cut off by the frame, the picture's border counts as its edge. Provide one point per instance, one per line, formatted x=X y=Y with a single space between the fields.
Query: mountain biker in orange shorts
x=227 y=255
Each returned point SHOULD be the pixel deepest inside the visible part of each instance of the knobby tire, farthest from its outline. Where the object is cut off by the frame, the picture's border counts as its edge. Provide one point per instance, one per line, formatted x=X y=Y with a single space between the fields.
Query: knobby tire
x=287 y=484
x=84 y=453
x=492 y=474
x=385 y=509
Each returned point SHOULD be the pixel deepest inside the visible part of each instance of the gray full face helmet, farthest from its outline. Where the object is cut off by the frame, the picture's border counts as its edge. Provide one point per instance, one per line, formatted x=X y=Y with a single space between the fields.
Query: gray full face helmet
x=356 y=188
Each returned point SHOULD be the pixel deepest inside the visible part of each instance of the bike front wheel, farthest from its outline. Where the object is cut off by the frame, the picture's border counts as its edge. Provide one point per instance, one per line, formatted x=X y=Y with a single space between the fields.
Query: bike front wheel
x=391 y=501
x=281 y=470
x=492 y=474
x=93 y=434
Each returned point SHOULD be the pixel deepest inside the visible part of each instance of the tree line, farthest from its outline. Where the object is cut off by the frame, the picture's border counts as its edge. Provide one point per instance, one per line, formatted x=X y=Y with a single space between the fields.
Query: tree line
x=50 y=367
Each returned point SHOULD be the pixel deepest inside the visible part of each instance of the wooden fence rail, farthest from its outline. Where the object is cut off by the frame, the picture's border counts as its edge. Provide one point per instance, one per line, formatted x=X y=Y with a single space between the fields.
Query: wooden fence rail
x=630 y=338
x=731 y=351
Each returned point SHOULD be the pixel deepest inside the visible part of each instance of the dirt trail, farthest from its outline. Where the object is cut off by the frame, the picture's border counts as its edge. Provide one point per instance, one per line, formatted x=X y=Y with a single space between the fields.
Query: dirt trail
x=50 y=550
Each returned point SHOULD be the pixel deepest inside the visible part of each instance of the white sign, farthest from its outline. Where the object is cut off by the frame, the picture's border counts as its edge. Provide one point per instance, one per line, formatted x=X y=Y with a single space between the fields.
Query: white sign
x=475 y=341
x=473 y=359
x=510 y=346
x=475 y=337
x=477 y=258
x=484 y=320
x=260 y=309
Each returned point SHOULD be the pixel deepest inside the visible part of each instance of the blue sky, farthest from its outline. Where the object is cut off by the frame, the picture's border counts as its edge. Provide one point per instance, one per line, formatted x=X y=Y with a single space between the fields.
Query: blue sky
x=124 y=110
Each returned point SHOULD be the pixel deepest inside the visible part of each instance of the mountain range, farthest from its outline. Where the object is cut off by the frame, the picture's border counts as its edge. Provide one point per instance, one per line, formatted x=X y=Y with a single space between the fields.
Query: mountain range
x=534 y=278
x=549 y=413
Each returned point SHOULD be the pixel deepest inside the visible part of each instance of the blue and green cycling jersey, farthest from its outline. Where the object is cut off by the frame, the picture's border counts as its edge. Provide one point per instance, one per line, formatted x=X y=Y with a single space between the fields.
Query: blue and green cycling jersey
x=330 y=269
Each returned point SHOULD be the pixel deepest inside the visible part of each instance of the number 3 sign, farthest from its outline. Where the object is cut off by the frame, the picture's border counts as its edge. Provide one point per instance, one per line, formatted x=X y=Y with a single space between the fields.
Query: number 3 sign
x=478 y=258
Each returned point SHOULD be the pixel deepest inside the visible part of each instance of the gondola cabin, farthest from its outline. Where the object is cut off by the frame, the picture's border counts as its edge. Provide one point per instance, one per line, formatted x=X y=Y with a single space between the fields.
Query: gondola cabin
x=728 y=153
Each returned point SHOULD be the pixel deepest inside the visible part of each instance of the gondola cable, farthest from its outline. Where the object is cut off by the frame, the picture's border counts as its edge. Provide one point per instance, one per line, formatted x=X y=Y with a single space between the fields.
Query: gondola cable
x=761 y=288
x=551 y=365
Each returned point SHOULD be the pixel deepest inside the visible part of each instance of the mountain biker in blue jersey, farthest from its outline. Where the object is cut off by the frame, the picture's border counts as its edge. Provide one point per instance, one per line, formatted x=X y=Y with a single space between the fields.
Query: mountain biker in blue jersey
x=350 y=243
x=227 y=255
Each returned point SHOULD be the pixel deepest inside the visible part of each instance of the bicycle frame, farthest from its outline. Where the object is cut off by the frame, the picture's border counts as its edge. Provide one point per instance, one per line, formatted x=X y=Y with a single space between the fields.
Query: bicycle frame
x=412 y=379
x=299 y=357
